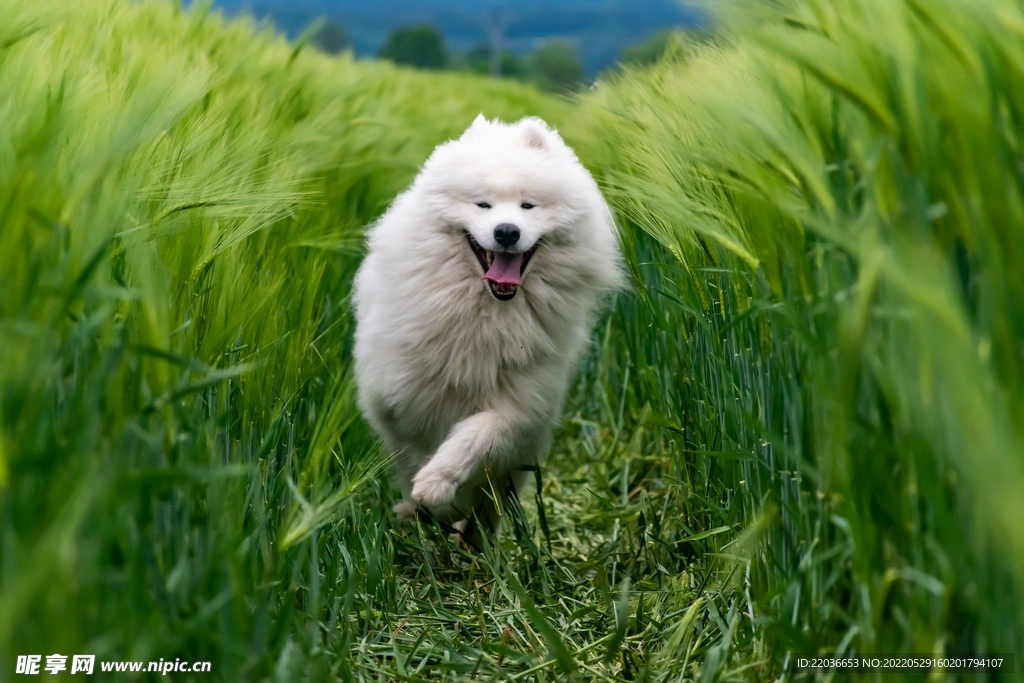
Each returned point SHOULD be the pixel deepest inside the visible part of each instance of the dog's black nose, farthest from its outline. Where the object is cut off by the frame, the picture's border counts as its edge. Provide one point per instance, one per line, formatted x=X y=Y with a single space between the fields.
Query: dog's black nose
x=506 y=234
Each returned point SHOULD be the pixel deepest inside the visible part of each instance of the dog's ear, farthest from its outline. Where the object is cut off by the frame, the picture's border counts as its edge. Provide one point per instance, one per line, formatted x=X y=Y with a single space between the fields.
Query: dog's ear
x=479 y=123
x=537 y=134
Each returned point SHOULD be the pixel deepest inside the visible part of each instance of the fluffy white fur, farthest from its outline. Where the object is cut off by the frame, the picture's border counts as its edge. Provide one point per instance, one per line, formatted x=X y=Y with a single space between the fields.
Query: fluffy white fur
x=466 y=388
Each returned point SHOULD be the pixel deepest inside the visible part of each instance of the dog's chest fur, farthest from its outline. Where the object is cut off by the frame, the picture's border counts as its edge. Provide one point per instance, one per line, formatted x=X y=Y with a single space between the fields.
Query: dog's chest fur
x=446 y=352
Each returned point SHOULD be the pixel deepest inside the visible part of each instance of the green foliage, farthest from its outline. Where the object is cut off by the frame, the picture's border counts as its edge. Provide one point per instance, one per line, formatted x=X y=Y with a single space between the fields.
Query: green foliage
x=553 y=67
x=799 y=432
x=557 y=66
x=183 y=203
x=419 y=46
x=647 y=51
x=478 y=60
x=331 y=38
x=823 y=218
x=670 y=44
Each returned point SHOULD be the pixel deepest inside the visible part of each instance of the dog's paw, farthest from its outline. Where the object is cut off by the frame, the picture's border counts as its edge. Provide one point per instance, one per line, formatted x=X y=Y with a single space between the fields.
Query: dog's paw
x=436 y=490
x=405 y=510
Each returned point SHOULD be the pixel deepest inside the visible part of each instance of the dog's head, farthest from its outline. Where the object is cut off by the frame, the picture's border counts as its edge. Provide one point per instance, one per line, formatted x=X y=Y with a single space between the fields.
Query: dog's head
x=516 y=199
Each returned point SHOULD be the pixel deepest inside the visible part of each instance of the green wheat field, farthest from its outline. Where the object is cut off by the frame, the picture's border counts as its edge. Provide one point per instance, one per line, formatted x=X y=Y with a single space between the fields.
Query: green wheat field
x=801 y=429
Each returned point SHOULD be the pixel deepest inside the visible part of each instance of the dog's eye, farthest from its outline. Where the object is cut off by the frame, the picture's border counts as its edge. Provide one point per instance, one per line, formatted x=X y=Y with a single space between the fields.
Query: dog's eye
x=526 y=205
x=483 y=205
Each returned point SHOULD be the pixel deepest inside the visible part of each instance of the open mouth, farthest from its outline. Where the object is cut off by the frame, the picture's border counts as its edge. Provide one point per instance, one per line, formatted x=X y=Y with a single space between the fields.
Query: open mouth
x=503 y=270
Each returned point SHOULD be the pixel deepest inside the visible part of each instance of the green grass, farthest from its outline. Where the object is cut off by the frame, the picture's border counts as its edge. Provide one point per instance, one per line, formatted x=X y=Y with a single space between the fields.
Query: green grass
x=799 y=432
x=833 y=312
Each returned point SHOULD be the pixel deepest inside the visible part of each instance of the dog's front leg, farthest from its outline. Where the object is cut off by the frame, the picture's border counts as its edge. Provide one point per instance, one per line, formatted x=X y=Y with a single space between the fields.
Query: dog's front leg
x=484 y=439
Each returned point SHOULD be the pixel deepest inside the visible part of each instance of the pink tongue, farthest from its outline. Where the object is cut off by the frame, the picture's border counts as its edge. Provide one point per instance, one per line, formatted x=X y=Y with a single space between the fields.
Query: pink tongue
x=505 y=269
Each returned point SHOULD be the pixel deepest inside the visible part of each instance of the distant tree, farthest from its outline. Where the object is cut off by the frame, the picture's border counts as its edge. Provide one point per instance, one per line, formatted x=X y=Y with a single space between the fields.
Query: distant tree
x=331 y=38
x=678 y=41
x=420 y=46
x=647 y=51
x=557 y=66
x=478 y=60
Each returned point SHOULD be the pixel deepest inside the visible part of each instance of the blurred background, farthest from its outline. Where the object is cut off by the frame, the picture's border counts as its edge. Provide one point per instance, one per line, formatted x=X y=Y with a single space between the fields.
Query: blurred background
x=555 y=44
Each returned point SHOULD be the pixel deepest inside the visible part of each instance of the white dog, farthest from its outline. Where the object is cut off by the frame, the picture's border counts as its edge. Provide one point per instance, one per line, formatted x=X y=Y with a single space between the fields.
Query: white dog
x=473 y=305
